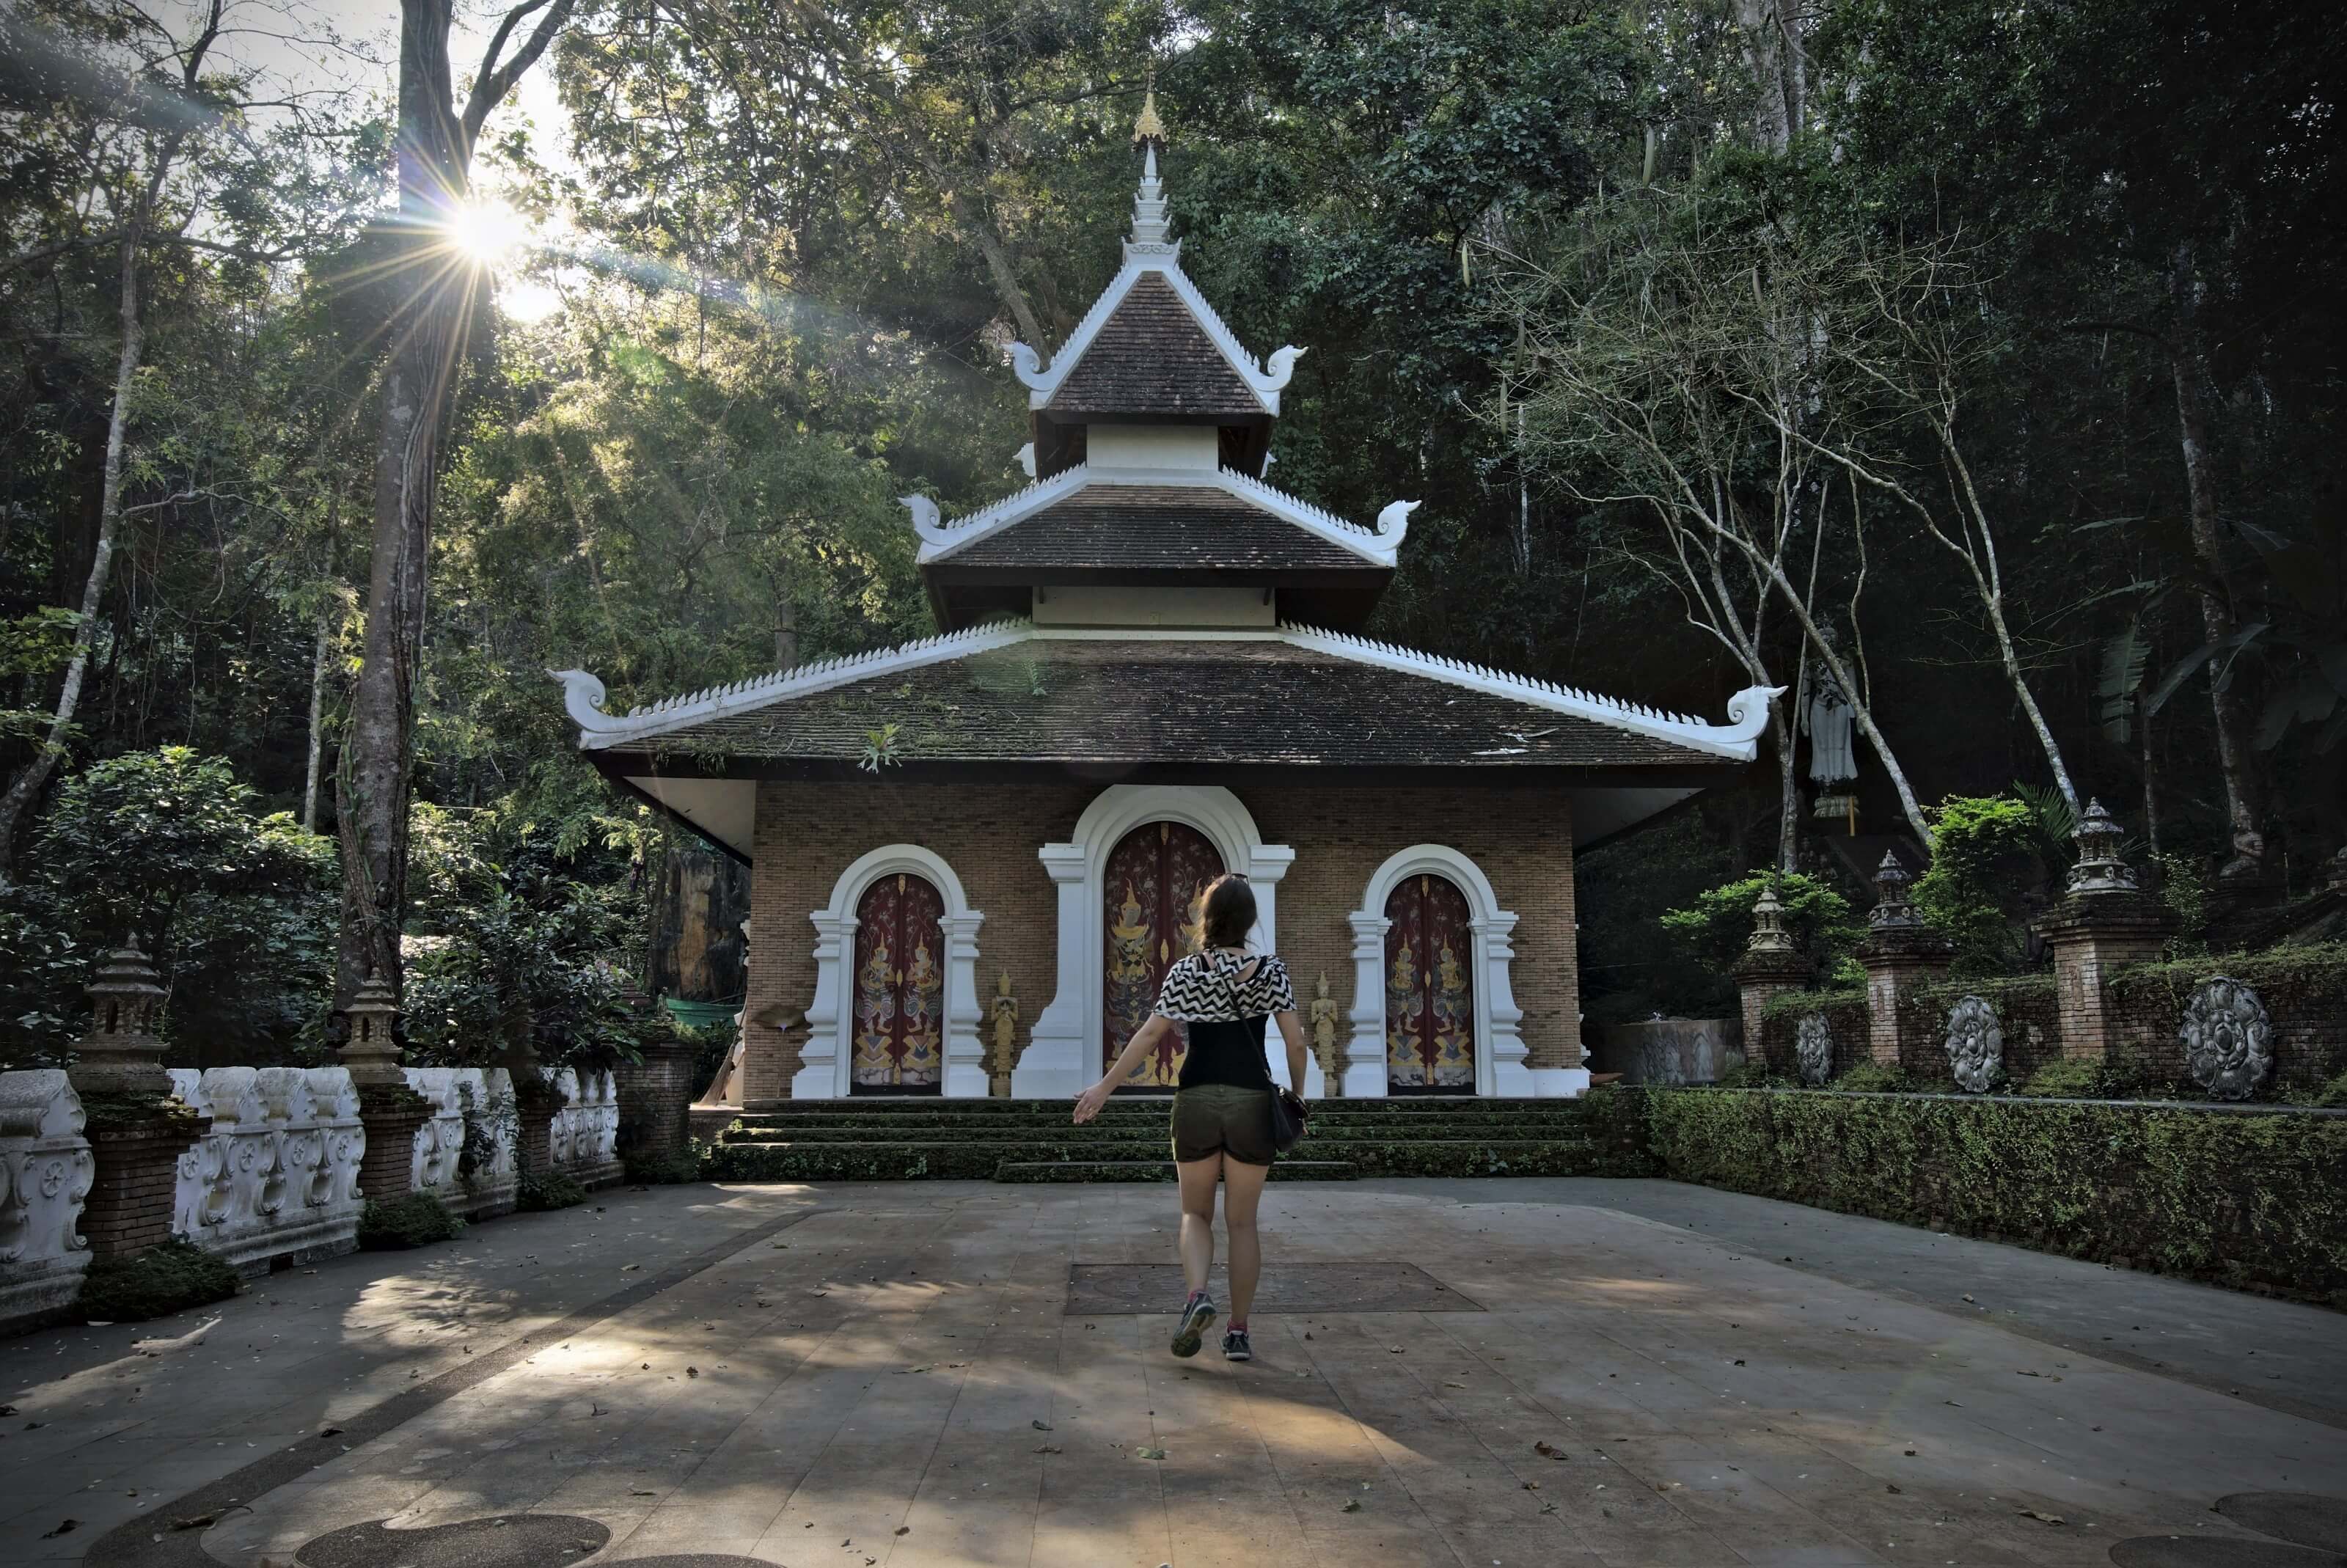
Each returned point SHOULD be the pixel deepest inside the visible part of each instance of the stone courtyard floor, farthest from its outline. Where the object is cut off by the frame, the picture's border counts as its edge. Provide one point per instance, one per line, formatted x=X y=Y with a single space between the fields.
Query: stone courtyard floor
x=845 y=1376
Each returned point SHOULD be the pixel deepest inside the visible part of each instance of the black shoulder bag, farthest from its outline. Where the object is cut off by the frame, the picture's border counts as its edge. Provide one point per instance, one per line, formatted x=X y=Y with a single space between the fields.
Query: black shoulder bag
x=1289 y=1112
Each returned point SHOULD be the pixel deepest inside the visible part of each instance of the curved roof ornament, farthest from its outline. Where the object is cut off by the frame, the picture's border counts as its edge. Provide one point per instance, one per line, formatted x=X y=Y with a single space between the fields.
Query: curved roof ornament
x=925 y=520
x=582 y=699
x=1394 y=522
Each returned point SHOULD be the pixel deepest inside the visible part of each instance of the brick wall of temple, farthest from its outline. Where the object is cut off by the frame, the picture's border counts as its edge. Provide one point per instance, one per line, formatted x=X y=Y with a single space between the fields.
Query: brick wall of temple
x=1521 y=839
x=808 y=834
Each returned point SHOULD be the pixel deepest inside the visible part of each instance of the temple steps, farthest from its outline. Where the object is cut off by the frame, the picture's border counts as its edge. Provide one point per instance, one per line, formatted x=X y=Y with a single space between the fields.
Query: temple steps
x=1158 y=1171
x=1034 y=1141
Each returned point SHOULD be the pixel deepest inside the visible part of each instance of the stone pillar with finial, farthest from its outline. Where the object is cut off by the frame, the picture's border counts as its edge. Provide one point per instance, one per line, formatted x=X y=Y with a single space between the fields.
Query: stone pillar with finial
x=390 y=1112
x=2105 y=921
x=1770 y=965
x=1901 y=956
x=136 y=1132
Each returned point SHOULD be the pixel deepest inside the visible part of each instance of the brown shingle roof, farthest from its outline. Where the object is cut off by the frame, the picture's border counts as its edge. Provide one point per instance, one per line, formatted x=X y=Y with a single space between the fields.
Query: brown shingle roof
x=1112 y=701
x=1155 y=527
x=1150 y=357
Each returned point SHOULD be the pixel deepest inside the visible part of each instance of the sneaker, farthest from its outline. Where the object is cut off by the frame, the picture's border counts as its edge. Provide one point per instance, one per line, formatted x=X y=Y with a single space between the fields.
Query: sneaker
x=1235 y=1346
x=1197 y=1317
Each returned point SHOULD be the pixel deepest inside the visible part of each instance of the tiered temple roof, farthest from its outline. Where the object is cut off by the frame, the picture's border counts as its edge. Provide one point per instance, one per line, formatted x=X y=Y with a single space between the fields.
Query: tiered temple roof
x=1151 y=606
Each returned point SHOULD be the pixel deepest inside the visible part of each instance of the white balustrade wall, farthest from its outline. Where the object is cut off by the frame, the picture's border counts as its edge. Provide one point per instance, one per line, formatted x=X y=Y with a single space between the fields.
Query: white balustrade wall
x=45 y=1172
x=276 y=1174
x=466 y=1100
x=584 y=1139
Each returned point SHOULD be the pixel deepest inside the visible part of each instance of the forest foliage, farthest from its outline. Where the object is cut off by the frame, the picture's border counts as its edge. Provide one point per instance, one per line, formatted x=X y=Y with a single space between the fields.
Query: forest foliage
x=1987 y=351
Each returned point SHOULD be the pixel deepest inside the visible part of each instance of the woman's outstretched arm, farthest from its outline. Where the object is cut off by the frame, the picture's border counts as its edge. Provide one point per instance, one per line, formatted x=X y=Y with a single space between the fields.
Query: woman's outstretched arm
x=1144 y=1041
x=1291 y=1029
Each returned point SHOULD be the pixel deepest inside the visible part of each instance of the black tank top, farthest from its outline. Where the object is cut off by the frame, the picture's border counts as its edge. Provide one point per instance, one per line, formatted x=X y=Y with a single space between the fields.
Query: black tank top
x=1226 y=1050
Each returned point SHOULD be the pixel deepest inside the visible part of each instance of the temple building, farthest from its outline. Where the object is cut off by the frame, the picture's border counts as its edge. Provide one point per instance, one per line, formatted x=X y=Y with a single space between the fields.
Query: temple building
x=1148 y=670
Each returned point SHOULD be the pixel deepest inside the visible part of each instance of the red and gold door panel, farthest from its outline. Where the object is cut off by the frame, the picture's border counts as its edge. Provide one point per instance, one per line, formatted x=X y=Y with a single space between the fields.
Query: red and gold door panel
x=900 y=988
x=1157 y=875
x=1430 y=989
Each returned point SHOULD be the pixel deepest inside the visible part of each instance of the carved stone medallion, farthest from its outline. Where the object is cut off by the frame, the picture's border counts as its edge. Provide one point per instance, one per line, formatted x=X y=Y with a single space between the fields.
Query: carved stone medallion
x=2228 y=1039
x=1813 y=1049
x=1975 y=1044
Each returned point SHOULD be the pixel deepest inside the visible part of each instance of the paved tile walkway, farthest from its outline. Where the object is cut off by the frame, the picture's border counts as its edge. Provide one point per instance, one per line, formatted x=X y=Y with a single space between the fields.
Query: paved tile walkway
x=858 y=1375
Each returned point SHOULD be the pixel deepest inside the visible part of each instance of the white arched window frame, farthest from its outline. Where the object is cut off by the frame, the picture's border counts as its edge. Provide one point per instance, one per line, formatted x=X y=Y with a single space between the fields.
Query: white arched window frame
x=827 y=1061
x=1063 y=1053
x=1500 y=1069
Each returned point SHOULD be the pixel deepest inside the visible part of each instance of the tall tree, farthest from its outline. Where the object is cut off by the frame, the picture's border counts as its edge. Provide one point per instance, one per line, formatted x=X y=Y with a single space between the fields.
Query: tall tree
x=439 y=281
x=167 y=123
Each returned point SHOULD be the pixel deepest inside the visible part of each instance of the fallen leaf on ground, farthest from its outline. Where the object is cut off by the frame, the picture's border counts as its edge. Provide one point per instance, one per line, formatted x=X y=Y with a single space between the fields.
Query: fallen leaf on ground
x=67 y=1528
x=1888 y=1487
x=1040 y=1426
x=1353 y=1507
x=1547 y=1449
x=1531 y=1486
x=692 y=1371
x=904 y=1530
x=643 y=1492
x=2043 y=1518
x=1149 y=1453
x=629 y=1268
x=1048 y=1449
x=332 y=1432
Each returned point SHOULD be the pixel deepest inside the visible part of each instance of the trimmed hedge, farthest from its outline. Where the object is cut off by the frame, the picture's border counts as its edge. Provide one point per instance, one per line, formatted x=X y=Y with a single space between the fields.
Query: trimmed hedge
x=2249 y=1199
x=409 y=1220
x=541 y=1191
x=154 y=1283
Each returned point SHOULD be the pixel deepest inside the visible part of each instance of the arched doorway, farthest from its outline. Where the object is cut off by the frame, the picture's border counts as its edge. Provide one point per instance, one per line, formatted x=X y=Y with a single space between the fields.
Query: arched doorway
x=900 y=986
x=1429 y=988
x=1155 y=876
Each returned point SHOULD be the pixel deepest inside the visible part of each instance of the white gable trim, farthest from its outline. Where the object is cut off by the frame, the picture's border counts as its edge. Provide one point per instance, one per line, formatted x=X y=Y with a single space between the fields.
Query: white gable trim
x=1747 y=710
x=1380 y=546
x=583 y=694
x=1264 y=379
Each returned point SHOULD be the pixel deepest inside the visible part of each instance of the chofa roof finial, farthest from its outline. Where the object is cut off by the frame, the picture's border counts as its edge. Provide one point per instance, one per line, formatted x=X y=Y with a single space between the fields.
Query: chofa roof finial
x=1152 y=230
x=1149 y=127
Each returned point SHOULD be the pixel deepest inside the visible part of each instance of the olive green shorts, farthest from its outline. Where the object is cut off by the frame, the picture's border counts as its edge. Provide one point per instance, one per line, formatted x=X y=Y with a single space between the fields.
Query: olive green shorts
x=1224 y=1117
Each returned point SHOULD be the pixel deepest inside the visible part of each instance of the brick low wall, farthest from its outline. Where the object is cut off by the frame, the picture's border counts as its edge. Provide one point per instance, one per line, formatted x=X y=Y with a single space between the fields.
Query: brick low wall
x=2028 y=1012
x=1846 y=1024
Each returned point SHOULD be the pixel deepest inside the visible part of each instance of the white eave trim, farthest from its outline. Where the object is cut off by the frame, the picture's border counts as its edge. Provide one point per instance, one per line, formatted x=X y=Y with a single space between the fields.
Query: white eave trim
x=1736 y=741
x=582 y=695
x=1380 y=545
x=1263 y=378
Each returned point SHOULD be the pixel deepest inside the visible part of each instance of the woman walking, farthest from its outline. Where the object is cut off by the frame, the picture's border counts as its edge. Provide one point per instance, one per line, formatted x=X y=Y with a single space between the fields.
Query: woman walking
x=1223 y=1105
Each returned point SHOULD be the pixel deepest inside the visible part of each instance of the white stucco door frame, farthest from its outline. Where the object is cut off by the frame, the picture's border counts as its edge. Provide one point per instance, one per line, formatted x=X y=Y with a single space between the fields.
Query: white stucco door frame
x=827 y=1061
x=1500 y=1067
x=1063 y=1053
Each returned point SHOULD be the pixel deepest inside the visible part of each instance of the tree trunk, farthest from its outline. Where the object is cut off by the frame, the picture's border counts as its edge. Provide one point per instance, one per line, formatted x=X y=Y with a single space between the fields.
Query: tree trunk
x=317 y=720
x=427 y=340
x=26 y=784
x=2188 y=366
x=1788 y=793
x=372 y=786
x=786 y=629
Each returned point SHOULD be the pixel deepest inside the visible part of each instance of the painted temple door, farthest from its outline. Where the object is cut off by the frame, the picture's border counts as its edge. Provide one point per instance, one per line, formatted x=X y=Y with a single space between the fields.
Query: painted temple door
x=900 y=988
x=1157 y=875
x=1430 y=989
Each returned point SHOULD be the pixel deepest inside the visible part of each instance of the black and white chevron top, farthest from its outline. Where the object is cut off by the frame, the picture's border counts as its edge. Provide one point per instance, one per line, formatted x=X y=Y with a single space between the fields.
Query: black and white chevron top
x=1207 y=988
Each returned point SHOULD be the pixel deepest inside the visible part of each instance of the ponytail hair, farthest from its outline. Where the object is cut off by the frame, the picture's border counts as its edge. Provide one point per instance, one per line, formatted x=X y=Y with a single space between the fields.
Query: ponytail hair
x=1226 y=913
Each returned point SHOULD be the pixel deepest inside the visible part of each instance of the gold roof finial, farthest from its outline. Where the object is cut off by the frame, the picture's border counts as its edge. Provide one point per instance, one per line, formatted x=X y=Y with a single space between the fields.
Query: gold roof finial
x=1149 y=125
